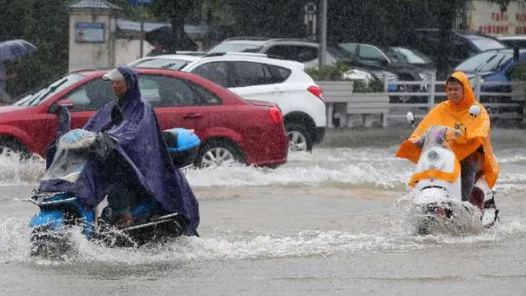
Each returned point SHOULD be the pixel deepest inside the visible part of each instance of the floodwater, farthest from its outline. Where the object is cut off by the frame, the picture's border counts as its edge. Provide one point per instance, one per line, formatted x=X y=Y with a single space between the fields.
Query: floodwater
x=325 y=223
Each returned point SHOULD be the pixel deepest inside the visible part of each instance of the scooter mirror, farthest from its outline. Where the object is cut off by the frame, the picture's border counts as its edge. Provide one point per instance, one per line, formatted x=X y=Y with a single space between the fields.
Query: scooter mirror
x=474 y=110
x=411 y=118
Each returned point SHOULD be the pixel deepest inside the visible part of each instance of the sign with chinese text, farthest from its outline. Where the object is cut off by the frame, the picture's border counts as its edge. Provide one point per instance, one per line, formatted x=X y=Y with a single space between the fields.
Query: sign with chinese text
x=486 y=18
x=90 y=32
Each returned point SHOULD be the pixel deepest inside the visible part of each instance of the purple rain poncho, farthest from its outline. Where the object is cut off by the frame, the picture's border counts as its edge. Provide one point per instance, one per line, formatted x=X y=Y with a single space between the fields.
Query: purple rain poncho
x=141 y=143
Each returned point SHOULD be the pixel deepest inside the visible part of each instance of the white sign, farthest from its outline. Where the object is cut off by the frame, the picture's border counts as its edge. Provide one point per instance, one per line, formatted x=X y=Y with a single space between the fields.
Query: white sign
x=486 y=18
x=90 y=32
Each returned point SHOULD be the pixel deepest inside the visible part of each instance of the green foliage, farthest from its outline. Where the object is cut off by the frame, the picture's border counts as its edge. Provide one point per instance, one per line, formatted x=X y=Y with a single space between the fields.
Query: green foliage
x=332 y=73
x=502 y=3
x=337 y=73
x=46 y=25
x=518 y=73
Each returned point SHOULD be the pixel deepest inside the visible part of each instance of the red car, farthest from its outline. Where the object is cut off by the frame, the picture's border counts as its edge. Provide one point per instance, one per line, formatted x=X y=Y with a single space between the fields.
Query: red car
x=231 y=129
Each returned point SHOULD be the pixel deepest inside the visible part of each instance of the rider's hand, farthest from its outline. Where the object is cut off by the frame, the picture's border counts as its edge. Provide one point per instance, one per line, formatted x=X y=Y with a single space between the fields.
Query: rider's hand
x=419 y=142
x=462 y=136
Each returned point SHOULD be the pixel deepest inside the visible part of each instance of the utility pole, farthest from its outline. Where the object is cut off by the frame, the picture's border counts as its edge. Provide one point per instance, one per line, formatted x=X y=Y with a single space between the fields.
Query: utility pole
x=141 y=50
x=323 y=35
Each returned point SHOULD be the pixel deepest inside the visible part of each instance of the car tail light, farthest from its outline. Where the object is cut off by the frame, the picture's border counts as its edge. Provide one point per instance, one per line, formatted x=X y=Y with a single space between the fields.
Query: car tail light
x=275 y=114
x=317 y=91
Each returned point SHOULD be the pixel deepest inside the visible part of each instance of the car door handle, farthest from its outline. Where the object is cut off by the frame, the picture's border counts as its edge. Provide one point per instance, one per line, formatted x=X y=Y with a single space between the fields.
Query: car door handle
x=192 y=115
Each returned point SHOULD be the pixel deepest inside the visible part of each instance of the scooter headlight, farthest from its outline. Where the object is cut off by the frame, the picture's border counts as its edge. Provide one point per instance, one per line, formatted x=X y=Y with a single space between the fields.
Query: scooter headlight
x=434 y=160
x=433 y=156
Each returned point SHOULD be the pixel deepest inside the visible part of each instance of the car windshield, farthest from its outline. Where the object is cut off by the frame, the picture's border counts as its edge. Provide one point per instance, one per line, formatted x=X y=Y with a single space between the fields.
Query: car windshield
x=39 y=95
x=490 y=61
x=341 y=54
x=436 y=136
x=162 y=63
x=72 y=154
x=483 y=43
x=411 y=56
x=236 y=47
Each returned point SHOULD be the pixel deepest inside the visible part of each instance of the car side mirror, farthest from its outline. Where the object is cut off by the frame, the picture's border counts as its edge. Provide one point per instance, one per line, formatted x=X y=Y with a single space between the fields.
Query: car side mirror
x=65 y=103
x=474 y=110
x=410 y=117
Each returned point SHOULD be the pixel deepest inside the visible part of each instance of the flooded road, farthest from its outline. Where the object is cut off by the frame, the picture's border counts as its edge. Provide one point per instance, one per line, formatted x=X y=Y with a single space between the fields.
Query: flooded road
x=325 y=223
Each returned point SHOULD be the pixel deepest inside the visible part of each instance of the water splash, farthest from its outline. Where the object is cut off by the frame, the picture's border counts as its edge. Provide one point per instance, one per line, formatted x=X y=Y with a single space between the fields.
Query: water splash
x=236 y=245
x=14 y=171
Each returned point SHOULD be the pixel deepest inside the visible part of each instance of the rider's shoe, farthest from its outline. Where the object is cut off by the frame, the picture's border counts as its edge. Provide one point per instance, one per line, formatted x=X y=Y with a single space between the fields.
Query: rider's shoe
x=124 y=221
x=477 y=198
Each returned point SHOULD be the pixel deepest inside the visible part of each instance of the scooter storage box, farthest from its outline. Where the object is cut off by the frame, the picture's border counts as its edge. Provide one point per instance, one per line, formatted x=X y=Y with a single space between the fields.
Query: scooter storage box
x=183 y=145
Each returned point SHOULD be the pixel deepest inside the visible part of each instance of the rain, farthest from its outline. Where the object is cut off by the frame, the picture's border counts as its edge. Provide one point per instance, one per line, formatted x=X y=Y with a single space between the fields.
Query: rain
x=302 y=147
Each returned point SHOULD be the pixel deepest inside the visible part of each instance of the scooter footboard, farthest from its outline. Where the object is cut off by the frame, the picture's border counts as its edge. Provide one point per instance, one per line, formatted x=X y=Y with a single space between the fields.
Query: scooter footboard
x=50 y=219
x=57 y=212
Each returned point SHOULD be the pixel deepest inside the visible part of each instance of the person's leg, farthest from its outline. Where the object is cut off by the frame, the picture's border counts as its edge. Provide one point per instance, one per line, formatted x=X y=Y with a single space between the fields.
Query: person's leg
x=470 y=166
x=5 y=99
x=119 y=202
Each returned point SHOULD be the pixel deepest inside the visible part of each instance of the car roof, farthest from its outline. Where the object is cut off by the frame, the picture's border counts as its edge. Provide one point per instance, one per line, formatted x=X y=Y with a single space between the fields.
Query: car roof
x=514 y=37
x=101 y=72
x=232 y=56
x=189 y=58
x=263 y=40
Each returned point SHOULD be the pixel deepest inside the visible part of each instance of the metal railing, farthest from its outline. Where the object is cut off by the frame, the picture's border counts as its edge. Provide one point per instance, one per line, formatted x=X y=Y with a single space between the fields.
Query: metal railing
x=505 y=104
x=424 y=95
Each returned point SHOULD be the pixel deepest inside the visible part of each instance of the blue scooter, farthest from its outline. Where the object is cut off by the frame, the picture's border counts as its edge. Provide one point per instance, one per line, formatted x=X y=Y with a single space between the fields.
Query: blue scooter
x=62 y=210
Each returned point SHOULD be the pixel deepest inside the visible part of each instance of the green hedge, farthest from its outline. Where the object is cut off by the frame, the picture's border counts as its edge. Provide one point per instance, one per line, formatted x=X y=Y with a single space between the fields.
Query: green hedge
x=336 y=73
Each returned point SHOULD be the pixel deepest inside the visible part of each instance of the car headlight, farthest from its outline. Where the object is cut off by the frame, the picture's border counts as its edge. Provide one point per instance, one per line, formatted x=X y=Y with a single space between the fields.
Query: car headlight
x=425 y=76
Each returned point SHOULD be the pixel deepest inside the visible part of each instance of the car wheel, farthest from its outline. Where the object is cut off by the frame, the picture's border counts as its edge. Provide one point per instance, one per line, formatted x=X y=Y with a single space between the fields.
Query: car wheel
x=10 y=145
x=218 y=153
x=299 y=138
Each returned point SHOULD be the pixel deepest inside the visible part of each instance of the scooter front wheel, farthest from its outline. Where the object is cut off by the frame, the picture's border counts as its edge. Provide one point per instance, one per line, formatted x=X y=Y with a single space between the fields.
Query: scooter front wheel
x=48 y=243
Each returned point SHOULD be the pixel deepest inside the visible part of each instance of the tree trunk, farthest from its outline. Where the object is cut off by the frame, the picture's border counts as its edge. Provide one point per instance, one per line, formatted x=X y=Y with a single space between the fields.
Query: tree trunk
x=446 y=13
x=177 y=23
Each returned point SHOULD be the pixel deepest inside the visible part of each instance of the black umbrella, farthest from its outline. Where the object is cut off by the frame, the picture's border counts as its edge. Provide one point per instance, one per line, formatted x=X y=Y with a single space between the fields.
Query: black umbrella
x=14 y=49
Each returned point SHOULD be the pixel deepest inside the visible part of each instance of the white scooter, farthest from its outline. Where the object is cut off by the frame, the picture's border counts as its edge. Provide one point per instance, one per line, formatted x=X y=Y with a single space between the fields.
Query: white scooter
x=435 y=195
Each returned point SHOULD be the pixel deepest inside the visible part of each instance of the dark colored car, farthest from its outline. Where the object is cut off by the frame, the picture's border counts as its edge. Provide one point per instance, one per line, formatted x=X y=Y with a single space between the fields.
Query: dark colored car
x=514 y=41
x=465 y=44
x=493 y=66
x=387 y=58
x=231 y=129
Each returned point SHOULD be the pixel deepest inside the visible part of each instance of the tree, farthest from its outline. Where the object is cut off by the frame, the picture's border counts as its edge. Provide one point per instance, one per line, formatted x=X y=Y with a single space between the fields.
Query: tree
x=45 y=24
x=176 y=11
x=446 y=11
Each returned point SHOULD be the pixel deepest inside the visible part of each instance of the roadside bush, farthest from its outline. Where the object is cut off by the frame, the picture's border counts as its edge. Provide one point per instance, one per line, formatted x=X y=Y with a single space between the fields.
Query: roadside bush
x=518 y=73
x=337 y=72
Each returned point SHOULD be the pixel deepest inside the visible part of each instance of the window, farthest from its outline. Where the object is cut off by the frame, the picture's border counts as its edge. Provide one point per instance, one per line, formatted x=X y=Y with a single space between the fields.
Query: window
x=351 y=47
x=280 y=74
x=489 y=61
x=283 y=51
x=369 y=53
x=92 y=95
x=163 y=91
x=42 y=93
x=294 y=52
x=215 y=72
x=306 y=53
x=248 y=74
x=208 y=97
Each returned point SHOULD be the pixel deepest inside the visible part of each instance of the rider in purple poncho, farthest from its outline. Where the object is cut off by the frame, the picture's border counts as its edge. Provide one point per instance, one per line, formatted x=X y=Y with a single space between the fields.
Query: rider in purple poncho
x=131 y=121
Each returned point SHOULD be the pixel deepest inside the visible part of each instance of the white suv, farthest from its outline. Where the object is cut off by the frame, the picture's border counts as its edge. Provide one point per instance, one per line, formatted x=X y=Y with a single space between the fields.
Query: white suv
x=258 y=77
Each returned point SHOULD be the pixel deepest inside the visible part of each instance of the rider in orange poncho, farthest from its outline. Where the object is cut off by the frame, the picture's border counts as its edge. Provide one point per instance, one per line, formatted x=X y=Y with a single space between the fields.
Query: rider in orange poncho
x=473 y=148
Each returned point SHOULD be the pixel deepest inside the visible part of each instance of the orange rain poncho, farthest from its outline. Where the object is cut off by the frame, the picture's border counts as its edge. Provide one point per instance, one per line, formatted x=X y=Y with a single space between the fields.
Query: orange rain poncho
x=457 y=116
